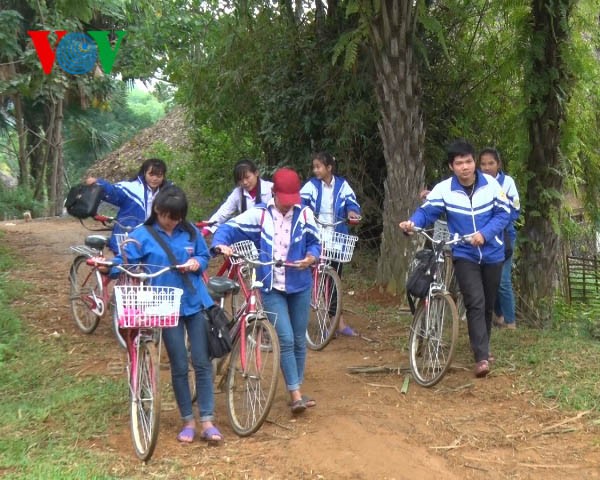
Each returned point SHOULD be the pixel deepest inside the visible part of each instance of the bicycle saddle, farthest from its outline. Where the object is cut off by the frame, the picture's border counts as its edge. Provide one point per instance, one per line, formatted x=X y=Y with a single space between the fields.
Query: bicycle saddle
x=97 y=242
x=222 y=285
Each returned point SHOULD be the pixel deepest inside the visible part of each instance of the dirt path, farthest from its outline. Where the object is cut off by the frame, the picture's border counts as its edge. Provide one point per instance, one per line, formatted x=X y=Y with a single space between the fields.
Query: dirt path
x=362 y=427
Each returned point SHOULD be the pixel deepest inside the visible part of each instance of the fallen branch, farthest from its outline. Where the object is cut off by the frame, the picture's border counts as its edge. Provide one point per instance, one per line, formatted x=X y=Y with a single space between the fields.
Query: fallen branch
x=379 y=385
x=567 y=420
x=377 y=369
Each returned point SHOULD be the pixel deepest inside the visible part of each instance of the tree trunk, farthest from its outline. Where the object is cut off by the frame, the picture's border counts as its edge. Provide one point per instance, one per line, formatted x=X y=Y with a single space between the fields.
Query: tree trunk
x=548 y=96
x=21 y=133
x=55 y=160
x=402 y=133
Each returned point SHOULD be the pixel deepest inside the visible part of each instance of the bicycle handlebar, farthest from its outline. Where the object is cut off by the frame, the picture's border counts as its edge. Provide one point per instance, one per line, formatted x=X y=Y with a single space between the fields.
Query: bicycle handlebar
x=349 y=221
x=255 y=262
x=457 y=238
x=95 y=262
x=108 y=221
x=205 y=224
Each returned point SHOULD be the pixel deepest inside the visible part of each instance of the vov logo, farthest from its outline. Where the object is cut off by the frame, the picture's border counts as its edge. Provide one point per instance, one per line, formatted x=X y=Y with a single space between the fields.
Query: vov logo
x=76 y=53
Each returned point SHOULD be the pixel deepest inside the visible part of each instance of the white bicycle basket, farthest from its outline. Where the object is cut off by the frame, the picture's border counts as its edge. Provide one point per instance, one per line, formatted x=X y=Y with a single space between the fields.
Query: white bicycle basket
x=245 y=248
x=147 y=306
x=120 y=238
x=336 y=246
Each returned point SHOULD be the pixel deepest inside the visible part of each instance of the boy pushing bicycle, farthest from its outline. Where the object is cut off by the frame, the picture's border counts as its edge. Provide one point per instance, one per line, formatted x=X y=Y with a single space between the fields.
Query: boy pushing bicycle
x=475 y=205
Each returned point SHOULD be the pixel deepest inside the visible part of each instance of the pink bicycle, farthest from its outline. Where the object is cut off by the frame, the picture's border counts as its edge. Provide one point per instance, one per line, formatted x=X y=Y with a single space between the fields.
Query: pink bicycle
x=142 y=312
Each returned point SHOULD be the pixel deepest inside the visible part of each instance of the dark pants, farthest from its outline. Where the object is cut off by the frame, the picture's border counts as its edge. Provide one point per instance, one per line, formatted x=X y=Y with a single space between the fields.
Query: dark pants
x=478 y=284
x=337 y=266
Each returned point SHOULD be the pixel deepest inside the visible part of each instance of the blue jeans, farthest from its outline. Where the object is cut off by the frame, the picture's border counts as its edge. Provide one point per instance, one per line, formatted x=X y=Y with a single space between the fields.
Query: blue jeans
x=505 y=299
x=174 y=339
x=291 y=321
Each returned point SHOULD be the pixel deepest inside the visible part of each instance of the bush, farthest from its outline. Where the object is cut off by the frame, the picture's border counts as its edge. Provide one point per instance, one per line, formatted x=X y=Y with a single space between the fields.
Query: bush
x=15 y=201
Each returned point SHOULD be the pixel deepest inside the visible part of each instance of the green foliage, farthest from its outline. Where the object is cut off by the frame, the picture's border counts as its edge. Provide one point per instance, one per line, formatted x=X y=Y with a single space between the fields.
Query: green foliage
x=15 y=201
x=10 y=326
x=38 y=435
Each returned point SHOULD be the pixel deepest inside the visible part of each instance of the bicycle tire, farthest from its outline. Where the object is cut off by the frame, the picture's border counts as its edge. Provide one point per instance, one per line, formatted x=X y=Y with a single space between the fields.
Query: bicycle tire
x=322 y=325
x=250 y=390
x=87 y=292
x=432 y=343
x=145 y=400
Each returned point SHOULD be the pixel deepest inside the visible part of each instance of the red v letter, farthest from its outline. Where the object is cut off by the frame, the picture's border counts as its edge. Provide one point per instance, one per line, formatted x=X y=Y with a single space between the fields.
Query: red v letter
x=43 y=48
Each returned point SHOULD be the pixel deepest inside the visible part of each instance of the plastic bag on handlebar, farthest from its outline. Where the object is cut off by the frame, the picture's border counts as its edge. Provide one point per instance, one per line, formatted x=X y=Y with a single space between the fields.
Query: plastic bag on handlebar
x=421 y=275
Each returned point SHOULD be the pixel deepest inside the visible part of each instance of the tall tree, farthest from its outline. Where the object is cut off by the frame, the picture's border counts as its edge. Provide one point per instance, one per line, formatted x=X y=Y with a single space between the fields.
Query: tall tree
x=392 y=28
x=548 y=87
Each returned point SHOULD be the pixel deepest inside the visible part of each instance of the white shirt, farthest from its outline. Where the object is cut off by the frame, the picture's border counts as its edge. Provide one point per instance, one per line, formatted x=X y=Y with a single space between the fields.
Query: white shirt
x=326 y=213
x=233 y=205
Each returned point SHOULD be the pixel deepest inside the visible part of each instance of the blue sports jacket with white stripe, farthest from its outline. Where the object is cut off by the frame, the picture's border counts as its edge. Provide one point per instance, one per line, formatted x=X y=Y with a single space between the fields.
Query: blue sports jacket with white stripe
x=486 y=211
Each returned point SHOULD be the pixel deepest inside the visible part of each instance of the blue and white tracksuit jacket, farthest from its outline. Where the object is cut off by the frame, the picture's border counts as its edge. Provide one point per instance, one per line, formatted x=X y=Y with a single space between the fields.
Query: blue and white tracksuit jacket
x=486 y=212
x=184 y=247
x=257 y=225
x=134 y=199
x=508 y=185
x=344 y=199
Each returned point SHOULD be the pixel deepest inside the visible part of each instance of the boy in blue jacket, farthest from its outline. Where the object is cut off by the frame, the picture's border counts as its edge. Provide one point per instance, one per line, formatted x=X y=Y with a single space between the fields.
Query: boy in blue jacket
x=476 y=205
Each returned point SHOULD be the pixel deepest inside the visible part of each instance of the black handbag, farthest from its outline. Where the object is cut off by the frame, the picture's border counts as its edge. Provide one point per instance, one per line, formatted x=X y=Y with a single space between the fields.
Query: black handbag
x=421 y=275
x=83 y=200
x=219 y=340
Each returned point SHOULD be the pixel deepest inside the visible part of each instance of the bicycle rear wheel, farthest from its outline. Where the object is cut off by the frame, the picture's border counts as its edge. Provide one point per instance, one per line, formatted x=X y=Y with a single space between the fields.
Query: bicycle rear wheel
x=432 y=339
x=325 y=309
x=252 y=377
x=86 y=296
x=145 y=399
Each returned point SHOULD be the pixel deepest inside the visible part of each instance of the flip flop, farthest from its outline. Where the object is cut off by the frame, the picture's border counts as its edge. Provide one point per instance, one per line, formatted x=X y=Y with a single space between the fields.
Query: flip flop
x=308 y=402
x=185 y=434
x=347 y=332
x=298 y=406
x=209 y=434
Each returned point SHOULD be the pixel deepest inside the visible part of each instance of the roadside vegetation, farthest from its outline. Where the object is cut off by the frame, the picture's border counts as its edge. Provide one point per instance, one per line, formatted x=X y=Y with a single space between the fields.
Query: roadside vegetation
x=46 y=408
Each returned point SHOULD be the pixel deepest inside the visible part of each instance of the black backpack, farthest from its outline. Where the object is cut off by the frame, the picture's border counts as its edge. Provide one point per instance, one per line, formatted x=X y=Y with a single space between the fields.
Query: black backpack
x=421 y=274
x=83 y=200
x=219 y=340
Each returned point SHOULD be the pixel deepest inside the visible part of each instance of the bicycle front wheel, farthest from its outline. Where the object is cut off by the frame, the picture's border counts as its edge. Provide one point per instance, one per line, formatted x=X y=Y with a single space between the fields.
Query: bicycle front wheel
x=252 y=377
x=432 y=339
x=325 y=309
x=86 y=296
x=145 y=399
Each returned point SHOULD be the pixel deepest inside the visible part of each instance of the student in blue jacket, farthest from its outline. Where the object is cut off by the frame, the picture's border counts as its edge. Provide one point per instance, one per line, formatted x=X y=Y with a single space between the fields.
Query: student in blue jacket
x=332 y=199
x=282 y=230
x=133 y=197
x=168 y=220
x=476 y=205
x=490 y=163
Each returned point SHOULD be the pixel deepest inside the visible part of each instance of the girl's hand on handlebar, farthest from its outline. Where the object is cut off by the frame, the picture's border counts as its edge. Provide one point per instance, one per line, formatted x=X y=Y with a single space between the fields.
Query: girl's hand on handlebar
x=407 y=227
x=191 y=265
x=354 y=218
x=224 y=250
x=305 y=262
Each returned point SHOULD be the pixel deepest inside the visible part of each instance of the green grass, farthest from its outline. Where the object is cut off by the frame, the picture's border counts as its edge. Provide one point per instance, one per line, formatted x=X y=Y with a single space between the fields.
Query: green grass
x=47 y=412
x=559 y=364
